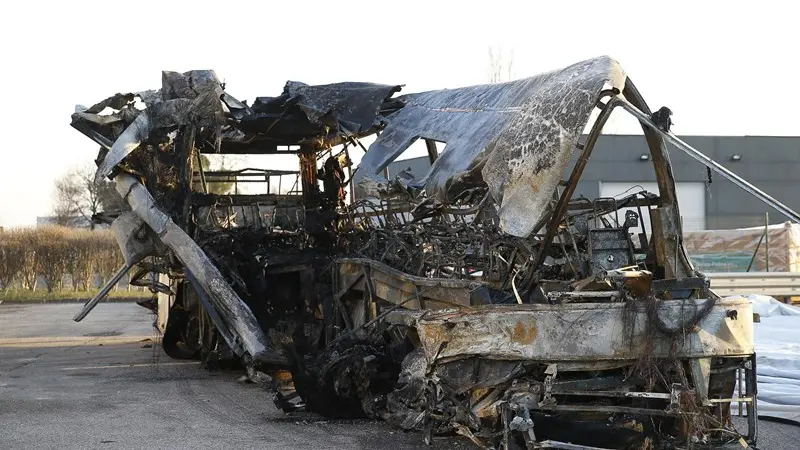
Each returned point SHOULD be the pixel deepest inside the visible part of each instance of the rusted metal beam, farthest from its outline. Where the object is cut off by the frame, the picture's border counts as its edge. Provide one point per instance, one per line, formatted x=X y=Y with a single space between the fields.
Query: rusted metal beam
x=308 y=173
x=572 y=183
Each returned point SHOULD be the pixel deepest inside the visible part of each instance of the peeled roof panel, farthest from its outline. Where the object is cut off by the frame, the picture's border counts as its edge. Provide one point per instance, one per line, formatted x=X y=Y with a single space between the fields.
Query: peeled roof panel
x=517 y=136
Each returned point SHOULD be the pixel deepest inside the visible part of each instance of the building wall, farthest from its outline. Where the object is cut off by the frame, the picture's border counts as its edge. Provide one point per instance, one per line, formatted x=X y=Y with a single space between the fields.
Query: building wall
x=771 y=163
x=75 y=222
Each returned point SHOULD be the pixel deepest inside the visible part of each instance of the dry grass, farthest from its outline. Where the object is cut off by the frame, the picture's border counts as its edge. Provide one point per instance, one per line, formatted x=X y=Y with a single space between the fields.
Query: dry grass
x=46 y=257
x=41 y=295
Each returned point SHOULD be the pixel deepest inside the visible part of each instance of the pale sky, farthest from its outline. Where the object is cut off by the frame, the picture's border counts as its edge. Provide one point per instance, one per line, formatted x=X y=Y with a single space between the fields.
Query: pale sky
x=724 y=68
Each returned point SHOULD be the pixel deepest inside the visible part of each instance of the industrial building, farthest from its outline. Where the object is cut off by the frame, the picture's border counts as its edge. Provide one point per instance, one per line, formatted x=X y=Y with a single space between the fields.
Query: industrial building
x=619 y=163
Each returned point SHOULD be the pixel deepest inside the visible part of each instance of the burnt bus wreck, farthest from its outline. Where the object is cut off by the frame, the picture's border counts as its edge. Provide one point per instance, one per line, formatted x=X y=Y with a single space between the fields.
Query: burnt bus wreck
x=484 y=299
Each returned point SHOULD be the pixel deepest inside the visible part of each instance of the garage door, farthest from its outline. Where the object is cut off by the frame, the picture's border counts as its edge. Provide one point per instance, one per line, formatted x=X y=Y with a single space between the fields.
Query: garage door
x=691 y=198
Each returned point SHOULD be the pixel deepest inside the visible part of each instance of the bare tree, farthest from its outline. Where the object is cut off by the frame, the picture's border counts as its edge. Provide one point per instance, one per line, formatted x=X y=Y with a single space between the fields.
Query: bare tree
x=64 y=201
x=500 y=66
x=78 y=195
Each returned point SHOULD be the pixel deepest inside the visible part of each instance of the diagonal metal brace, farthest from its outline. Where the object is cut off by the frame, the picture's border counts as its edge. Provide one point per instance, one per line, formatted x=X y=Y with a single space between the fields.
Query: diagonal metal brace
x=708 y=162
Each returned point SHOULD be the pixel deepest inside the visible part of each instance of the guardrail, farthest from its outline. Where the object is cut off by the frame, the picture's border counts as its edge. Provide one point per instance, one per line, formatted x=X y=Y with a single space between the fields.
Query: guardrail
x=774 y=284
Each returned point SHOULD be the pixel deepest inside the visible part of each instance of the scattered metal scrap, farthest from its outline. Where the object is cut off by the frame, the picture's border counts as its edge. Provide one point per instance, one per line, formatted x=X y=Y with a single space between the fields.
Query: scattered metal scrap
x=483 y=299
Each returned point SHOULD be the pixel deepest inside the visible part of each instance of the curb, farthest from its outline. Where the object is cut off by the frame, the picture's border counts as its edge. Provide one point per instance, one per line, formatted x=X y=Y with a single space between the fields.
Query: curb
x=72 y=341
x=69 y=300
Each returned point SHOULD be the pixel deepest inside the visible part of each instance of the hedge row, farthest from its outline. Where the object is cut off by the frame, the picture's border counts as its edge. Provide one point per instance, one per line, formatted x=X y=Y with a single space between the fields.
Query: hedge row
x=30 y=257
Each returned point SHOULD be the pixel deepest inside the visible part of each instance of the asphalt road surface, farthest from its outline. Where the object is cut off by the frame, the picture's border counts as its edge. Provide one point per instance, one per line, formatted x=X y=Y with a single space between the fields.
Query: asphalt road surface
x=104 y=383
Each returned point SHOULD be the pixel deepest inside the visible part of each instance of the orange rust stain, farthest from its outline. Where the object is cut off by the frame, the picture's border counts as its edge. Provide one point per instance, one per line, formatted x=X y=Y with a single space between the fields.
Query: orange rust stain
x=434 y=335
x=282 y=375
x=535 y=186
x=523 y=333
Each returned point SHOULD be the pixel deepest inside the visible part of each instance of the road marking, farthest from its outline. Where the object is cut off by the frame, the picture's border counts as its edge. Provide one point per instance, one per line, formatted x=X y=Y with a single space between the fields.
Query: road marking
x=130 y=366
x=71 y=341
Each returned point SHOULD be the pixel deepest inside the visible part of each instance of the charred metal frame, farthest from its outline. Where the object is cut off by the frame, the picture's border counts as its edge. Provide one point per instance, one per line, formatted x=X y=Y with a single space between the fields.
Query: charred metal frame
x=675 y=268
x=586 y=151
x=368 y=309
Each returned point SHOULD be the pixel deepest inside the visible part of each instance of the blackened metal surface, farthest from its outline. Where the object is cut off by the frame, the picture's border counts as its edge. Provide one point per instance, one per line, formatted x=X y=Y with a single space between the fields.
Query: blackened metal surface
x=354 y=106
x=413 y=292
x=190 y=98
x=189 y=84
x=517 y=137
x=319 y=114
x=475 y=368
x=306 y=112
x=234 y=313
